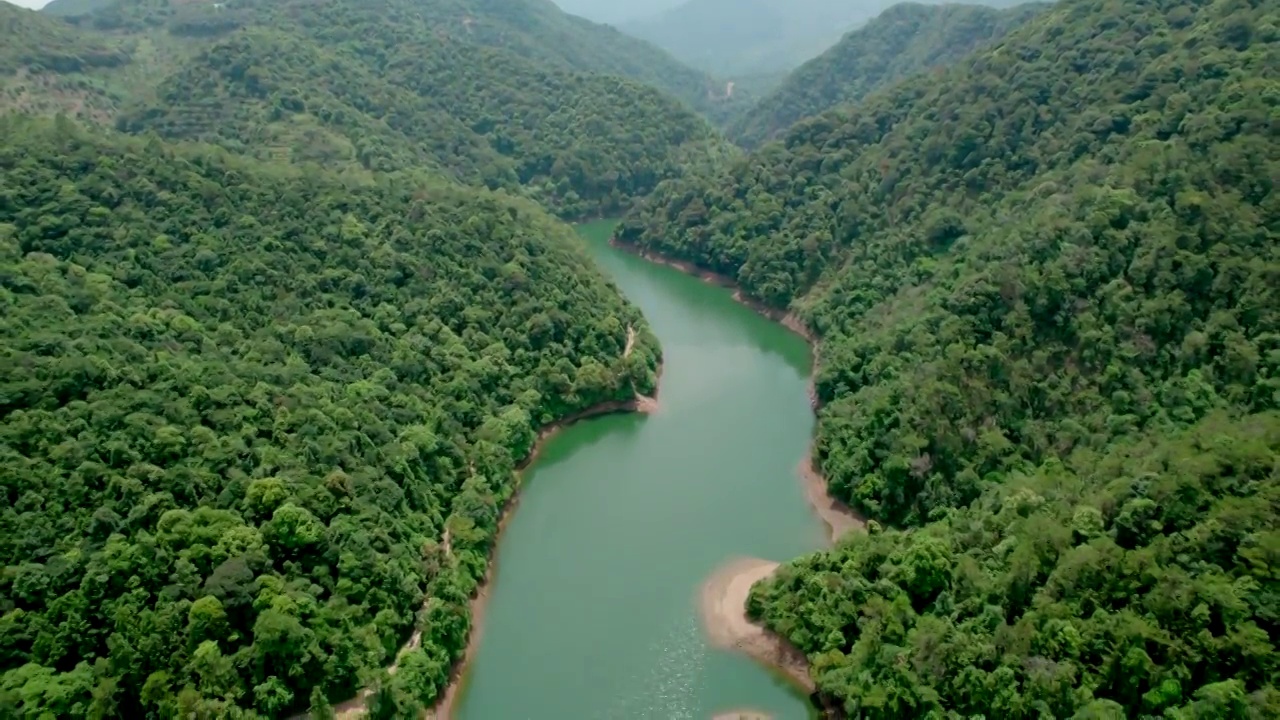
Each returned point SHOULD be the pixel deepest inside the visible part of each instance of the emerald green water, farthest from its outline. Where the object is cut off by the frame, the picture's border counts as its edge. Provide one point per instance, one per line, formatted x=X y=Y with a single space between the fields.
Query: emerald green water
x=593 y=609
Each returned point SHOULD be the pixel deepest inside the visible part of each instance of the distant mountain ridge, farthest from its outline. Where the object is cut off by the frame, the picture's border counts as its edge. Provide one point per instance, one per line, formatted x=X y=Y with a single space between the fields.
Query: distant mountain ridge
x=755 y=37
x=507 y=94
x=581 y=144
x=534 y=29
x=71 y=8
x=905 y=39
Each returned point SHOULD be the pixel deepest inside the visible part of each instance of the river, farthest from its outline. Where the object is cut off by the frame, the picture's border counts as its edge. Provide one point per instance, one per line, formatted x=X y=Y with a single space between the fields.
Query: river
x=593 y=611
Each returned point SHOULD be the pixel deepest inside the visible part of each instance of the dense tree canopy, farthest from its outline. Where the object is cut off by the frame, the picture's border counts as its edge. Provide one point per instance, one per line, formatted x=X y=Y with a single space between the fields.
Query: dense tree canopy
x=511 y=94
x=35 y=43
x=582 y=144
x=47 y=66
x=258 y=420
x=906 y=39
x=1062 y=247
x=535 y=30
x=257 y=425
x=1137 y=582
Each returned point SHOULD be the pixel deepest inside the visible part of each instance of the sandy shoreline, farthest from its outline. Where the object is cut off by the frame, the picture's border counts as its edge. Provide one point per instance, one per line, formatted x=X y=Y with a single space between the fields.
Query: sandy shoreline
x=839 y=517
x=724 y=614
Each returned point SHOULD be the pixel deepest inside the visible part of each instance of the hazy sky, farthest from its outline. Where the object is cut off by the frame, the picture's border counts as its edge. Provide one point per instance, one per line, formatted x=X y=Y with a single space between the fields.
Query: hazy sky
x=614 y=11
x=34 y=4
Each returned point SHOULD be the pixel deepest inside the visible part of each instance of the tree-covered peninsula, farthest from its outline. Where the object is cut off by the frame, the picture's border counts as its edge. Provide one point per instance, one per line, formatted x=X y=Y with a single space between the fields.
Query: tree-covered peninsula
x=257 y=425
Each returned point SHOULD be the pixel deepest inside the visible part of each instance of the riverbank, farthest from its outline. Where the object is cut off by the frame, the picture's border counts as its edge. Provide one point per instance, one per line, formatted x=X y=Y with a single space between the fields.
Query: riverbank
x=443 y=709
x=724 y=595
x=838 y=516
x=787 y=319
x=723 y=605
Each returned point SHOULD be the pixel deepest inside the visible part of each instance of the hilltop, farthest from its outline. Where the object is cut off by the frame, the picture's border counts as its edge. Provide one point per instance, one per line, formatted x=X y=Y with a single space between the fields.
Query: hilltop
x=1044 y=279
x=47 y=66
x=73 y=8
x=581 y=144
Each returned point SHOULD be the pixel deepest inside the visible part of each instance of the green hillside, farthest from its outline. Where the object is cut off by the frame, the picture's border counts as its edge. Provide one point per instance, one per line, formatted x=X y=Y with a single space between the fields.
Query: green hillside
x=366 y=87
x=255 y=418
x=1046 y=282
x=35 y=42
x=532 y=29
x=905 y=39
x=535 y=30
x=47 y=66
x=581 y=144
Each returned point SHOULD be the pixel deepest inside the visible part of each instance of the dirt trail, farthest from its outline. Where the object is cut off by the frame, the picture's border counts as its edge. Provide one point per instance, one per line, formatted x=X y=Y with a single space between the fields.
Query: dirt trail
x=631 y=342
x=354 y=708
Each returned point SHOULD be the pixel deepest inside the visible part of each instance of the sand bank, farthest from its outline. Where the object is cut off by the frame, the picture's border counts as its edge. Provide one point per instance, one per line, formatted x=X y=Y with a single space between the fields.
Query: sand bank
x=724 y=615
x=839 y=518
x=742 y=715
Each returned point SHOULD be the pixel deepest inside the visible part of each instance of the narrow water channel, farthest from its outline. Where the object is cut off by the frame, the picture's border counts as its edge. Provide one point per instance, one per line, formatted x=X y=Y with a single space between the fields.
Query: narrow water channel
x=594 y=607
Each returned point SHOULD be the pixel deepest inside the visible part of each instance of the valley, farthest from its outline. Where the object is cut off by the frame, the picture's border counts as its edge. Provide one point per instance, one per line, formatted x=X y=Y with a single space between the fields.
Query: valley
x=928 y=370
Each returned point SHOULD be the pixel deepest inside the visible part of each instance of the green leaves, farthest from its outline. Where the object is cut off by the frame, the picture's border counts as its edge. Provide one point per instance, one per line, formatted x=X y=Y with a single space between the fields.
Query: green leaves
x=223 y=474
x=1041 y=280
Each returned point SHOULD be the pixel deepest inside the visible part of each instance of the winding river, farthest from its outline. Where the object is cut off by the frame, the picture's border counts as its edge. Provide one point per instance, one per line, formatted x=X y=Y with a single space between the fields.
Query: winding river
x=593 y=610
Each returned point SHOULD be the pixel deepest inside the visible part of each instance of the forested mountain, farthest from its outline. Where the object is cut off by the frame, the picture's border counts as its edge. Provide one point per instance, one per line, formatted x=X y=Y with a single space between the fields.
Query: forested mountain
x=536 y=30
x=32 y=41
x=391 y=84
x=254 y=417
x=905 y=39
x=582 y=144
x=1047 y=281
x=46 y=66
x=755 y=37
